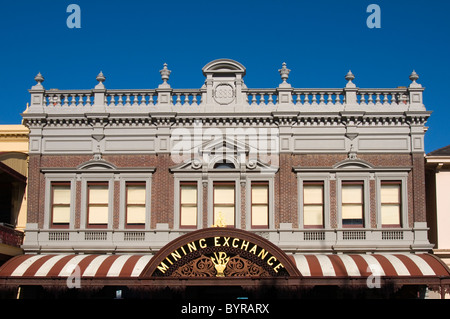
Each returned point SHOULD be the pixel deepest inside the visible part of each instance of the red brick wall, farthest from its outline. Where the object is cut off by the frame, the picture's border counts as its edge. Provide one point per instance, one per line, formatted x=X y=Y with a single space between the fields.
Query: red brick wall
x=285 y=185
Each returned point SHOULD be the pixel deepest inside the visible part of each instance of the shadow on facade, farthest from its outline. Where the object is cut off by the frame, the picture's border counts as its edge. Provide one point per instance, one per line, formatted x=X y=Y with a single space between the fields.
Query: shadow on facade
x=217 y=293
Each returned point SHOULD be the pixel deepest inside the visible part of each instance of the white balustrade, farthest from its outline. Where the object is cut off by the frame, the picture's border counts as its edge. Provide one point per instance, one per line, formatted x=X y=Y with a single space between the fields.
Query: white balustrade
x=350 y=94
x=78 y=98
x=261 y=97
x=383 y=97
x=308 y=97
x=187 y=97
x=130 y=97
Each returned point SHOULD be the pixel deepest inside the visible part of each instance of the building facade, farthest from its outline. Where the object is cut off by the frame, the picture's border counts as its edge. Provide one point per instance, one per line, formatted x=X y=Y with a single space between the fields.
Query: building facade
x=438 y=181
x=303 y=179
x=13 y=183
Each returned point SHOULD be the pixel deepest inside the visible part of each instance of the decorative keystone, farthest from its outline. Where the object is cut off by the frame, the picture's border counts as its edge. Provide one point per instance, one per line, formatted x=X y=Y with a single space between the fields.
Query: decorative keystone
x=165 y=73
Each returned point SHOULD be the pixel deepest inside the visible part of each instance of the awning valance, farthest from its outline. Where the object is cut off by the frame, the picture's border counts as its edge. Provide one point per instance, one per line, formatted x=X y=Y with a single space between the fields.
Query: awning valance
x=364 y=265
x=310 y=266
x=89 y=266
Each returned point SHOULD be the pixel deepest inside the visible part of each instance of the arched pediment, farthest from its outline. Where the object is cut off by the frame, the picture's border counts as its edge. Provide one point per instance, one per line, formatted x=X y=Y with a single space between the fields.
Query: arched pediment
x=97 y=165
x=223 y=66
x=220 y=252
x=353 y=164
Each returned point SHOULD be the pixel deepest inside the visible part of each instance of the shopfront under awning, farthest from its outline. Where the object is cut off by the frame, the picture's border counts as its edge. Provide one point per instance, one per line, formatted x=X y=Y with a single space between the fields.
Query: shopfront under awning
x=315 y=269
x=225 y=257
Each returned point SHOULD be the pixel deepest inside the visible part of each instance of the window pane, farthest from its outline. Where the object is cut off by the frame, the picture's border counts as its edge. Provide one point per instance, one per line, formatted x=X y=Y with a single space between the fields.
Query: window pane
x=188 y=216
x=189 y=194
x=224 y=194
x=312 y=194
x=390 y=193
x=98 y=194
x=352 y=211
x=98 y=214
x=313 y=215
x=390 y=214
x=136 y=215
x=260 y=194
x=352 y=193
x=136 y=194
x=61 y=214
x=260 y=215
x=227 y=213
x=61 y=194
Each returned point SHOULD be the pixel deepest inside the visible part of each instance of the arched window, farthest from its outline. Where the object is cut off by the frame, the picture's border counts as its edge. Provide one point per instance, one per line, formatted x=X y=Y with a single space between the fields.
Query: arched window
x=224 y=165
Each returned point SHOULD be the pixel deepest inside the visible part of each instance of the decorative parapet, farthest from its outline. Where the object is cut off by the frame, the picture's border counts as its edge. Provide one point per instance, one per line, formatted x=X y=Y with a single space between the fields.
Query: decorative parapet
x=225 y=90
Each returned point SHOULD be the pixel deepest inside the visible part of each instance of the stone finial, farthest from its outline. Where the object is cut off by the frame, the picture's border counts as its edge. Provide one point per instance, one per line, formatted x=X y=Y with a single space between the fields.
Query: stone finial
x=414 y=77
x=165 y=73
x=284 y=72
x=350 y=77
x=39 y=79
x=100 y=78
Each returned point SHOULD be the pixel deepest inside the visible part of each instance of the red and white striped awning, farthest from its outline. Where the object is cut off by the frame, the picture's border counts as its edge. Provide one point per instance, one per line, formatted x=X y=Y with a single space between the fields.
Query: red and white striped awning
x=121 y=266
x=310 y=266
x=364 y=265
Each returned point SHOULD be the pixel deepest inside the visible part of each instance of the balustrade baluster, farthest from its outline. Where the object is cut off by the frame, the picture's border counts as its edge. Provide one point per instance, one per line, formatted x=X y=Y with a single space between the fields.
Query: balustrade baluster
x=314 y=98
x=378 y=100
x=66 y=99
x=254 y=99
x=178 y=101
x=195 y=99
x=322 y=98
x=386 y=99
x=270 y=99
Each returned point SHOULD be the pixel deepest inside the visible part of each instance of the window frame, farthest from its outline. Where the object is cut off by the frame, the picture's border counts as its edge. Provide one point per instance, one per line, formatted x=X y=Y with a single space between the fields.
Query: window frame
x=313 y=183
x=97 y=183
x=180 y=206
x=135 y=225
x=400 y=201
x=322 y=177
x=225 y=183
x=363 y=202
x=259 y=183
x=52 y=204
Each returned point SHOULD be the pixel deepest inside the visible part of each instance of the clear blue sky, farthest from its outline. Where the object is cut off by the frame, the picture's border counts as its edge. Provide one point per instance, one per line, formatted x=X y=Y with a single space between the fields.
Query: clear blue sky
x=319 y=40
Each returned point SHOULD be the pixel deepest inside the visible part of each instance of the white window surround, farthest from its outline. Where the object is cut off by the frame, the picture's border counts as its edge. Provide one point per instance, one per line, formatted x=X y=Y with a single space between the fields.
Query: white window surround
x=227 y=177
x=179 y=178
x=401 y=177
x=357 y=176
x=92 y=178
x=135 y=177
x=96 y=171
x=52 y=178
x=314 y=177
x=248 y=200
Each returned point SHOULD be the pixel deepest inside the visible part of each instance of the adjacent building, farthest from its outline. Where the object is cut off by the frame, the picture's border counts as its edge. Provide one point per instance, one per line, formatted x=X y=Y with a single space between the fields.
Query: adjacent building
x=13 y=181
x=438 y=183
x=228 y=187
